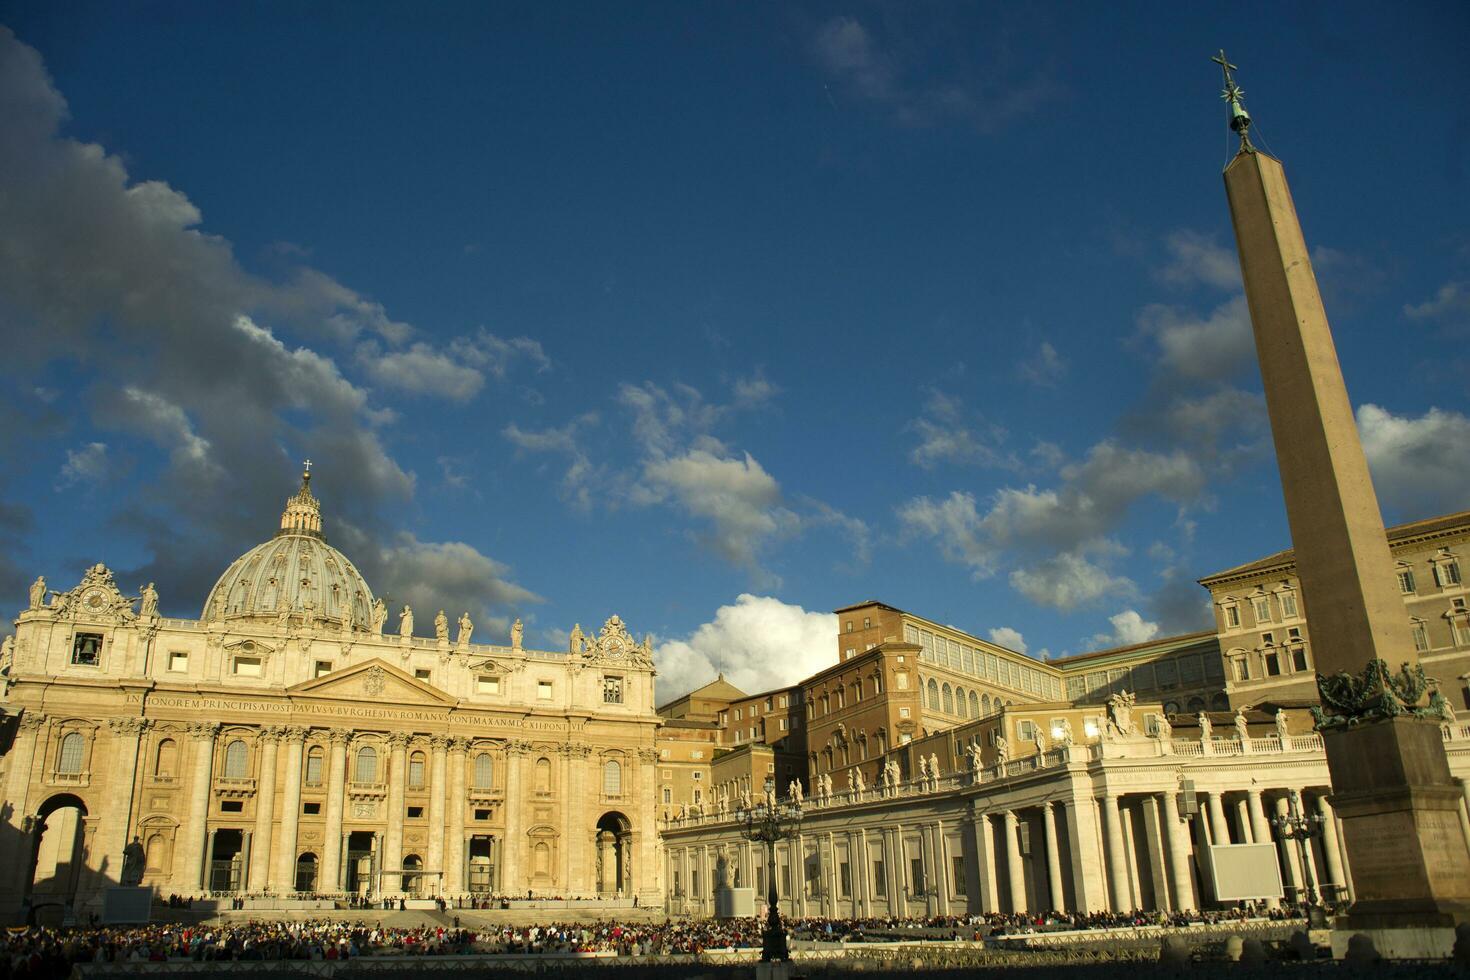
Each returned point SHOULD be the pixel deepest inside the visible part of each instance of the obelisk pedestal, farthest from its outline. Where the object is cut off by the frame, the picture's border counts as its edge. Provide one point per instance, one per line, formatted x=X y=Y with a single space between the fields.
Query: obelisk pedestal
x=1409 y=861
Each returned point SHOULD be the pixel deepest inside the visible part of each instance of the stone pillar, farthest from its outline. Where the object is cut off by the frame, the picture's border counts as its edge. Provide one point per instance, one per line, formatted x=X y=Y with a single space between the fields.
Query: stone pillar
x=392 y=855
x=1177 y=834
x=1088 y=879
x=15 y=829
x=796 y=852
x=1117 y=858
x=434 y=859
x=114 y=830
x=984 y=858
x=1260 y=828
x=1158 y=863
x=1219 y=829
x=1013 y=862
x=206 y=861
x=457 y=856
x=285 y=877
x=1130 y=851
x=1243 y=821
x=863 y=876
x=1289 y=859
x=941 y=860
x=608 y=865
x=333 y=853
x=1053 y=857
x=571 y=812
x=514 y=835
x=926 y=859
x=1331 y=847
x=265 y=811
x=190 y=871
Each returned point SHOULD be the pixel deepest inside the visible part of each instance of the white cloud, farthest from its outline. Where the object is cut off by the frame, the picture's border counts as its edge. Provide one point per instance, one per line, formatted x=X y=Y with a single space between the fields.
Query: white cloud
x=740 y=500
x=1009 y=638
x=1067 y=581
x=946 y=436
x=1128 y=628
x=88 y=464
x=956 y=527
x=754 y=391
x=1196 y=258
x=1215 y=347
x=581 y=478
x=1044 y=369
x=1420 y=465
x=456 y=372
x=1450 y=305
x=758 y=643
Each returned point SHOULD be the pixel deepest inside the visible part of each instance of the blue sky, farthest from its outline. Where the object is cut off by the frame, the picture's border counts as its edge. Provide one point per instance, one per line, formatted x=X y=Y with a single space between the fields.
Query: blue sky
x=714 y=316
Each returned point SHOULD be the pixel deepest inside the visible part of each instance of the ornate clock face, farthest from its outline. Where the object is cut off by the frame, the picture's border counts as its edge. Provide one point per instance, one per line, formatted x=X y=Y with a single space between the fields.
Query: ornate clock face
x=615 y=650
x=94 y=601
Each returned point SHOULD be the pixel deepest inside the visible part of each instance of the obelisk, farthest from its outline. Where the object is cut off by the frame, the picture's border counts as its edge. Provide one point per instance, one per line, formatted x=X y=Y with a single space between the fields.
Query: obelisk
x=1410 y=865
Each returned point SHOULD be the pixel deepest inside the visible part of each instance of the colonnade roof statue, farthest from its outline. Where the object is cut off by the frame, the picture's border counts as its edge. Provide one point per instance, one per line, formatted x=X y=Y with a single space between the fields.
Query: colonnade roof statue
x=295 y=573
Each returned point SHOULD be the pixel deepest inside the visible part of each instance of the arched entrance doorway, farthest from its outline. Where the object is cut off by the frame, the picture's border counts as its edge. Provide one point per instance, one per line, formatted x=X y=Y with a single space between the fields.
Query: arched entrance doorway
x=56 y=858
x=614 y=855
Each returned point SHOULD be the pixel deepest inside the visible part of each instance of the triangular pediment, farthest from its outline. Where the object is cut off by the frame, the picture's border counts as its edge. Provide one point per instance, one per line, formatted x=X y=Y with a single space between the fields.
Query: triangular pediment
x=373 y=681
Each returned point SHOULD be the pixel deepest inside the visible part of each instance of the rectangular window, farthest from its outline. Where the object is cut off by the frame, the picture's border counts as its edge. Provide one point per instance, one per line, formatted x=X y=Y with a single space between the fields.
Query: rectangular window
x=1298 y=658
x=668 y=794
x=1448 y=573
x=916 y=876
x=783 y=724
x=1288 y=605
x=178 y=662
x=86 y=649
x=867 y=623
x=421 y=674
x=768 y=704
x=247 y=667
x=1273 y=665
x=849 y=626
x=1406 y=581
x=1263 y=609
x=612 y=690
x=880 y=883
x=543 y=690
x=785 y=701
x=314 y=769
x=959 y=875
x=844 y=880
x=416 y=770
x=415 y=812
x=487 y=685
x=903 y=712
x=1421 y=637
x=698 y=795
x=311 y=809
x=901 y=680
x=1242 y=669
x=696 y=776
x=482 y=813
x=232 y=806
x=1232 y=617
x=1462 y=632
x=322 y=668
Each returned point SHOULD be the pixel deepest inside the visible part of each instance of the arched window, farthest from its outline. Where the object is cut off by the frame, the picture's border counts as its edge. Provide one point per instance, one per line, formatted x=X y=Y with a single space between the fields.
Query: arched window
x=484 y=771
x=306 y=873
x=961 y=707
x=69 y=759
x=314 y=758
x=543 y=858
x=237 y=760
x=411 y=863
x=1196 y=704
x=416 y=771
x=974 y=705
x=933 y=695
x=985 y=706
x=543 y=775
x=612 y=778
x=167 y=758
x=153 y=854
x=948 y=700
x=366 y=770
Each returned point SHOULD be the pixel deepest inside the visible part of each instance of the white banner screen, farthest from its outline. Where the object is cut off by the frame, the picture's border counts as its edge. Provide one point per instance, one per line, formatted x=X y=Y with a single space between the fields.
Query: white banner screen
x=1245 y=871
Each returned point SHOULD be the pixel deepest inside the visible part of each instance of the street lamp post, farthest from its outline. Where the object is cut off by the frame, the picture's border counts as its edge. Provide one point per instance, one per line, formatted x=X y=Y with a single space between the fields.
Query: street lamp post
x=768 y=822
x=1296 y=826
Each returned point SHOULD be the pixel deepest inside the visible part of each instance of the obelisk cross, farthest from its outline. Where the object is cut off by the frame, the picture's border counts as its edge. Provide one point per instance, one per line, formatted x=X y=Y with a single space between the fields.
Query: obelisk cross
x=1240 y=120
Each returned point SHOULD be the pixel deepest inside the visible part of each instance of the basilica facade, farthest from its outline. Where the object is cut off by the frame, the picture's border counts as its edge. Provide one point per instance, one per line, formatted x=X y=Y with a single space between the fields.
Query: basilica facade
x=283 y=744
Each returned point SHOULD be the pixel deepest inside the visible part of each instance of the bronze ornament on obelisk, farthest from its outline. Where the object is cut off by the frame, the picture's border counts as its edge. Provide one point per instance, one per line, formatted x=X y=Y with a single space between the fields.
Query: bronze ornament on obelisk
x=1392 y=789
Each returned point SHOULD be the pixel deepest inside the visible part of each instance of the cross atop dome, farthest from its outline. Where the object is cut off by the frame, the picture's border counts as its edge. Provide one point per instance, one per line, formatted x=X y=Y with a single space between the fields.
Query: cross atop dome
x=1240 y=120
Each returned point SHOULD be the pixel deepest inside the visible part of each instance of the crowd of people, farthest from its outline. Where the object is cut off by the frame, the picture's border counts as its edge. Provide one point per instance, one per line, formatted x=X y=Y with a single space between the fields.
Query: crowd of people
x=40 y=953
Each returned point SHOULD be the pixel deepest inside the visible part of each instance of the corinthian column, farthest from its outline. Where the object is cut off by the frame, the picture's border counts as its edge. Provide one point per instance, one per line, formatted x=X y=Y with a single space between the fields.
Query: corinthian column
x=122 y=775
x=1177 y=836
x=454 y=858
x=435 y=859
x=1053 y=856
x=189 y=861
x=393 y=844
x=1117 y=858
x=1013 y=862
x=511 y=858
x=285 y=875
x=265 y=811
x=329 y=881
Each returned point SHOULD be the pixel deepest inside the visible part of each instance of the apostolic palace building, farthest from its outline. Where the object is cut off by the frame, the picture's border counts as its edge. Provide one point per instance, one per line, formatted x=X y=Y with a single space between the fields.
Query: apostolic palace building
x=284 y=745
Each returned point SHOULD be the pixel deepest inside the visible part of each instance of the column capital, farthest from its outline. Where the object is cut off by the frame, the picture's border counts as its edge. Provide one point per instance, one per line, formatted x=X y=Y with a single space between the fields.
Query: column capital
x=339 y=736
x=205 y=731
x=399 y=740
x=269 y=734
x=516 y=746
x=293 y=733
x=458 y=743
x=1048 y=805
x=32 y=721
x=648 y=756
x=439 y=743
x=129 y=726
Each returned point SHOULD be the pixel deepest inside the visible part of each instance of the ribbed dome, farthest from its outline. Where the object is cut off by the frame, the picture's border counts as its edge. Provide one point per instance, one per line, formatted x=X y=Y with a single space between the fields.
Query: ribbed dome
x=295 y=568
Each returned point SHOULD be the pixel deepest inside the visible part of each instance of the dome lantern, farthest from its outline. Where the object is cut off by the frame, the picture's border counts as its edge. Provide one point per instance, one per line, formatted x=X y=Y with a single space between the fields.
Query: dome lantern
x=303 y=513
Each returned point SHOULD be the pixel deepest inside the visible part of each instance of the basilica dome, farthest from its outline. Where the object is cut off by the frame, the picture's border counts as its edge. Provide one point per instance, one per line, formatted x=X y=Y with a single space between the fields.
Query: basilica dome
x=295 y=574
